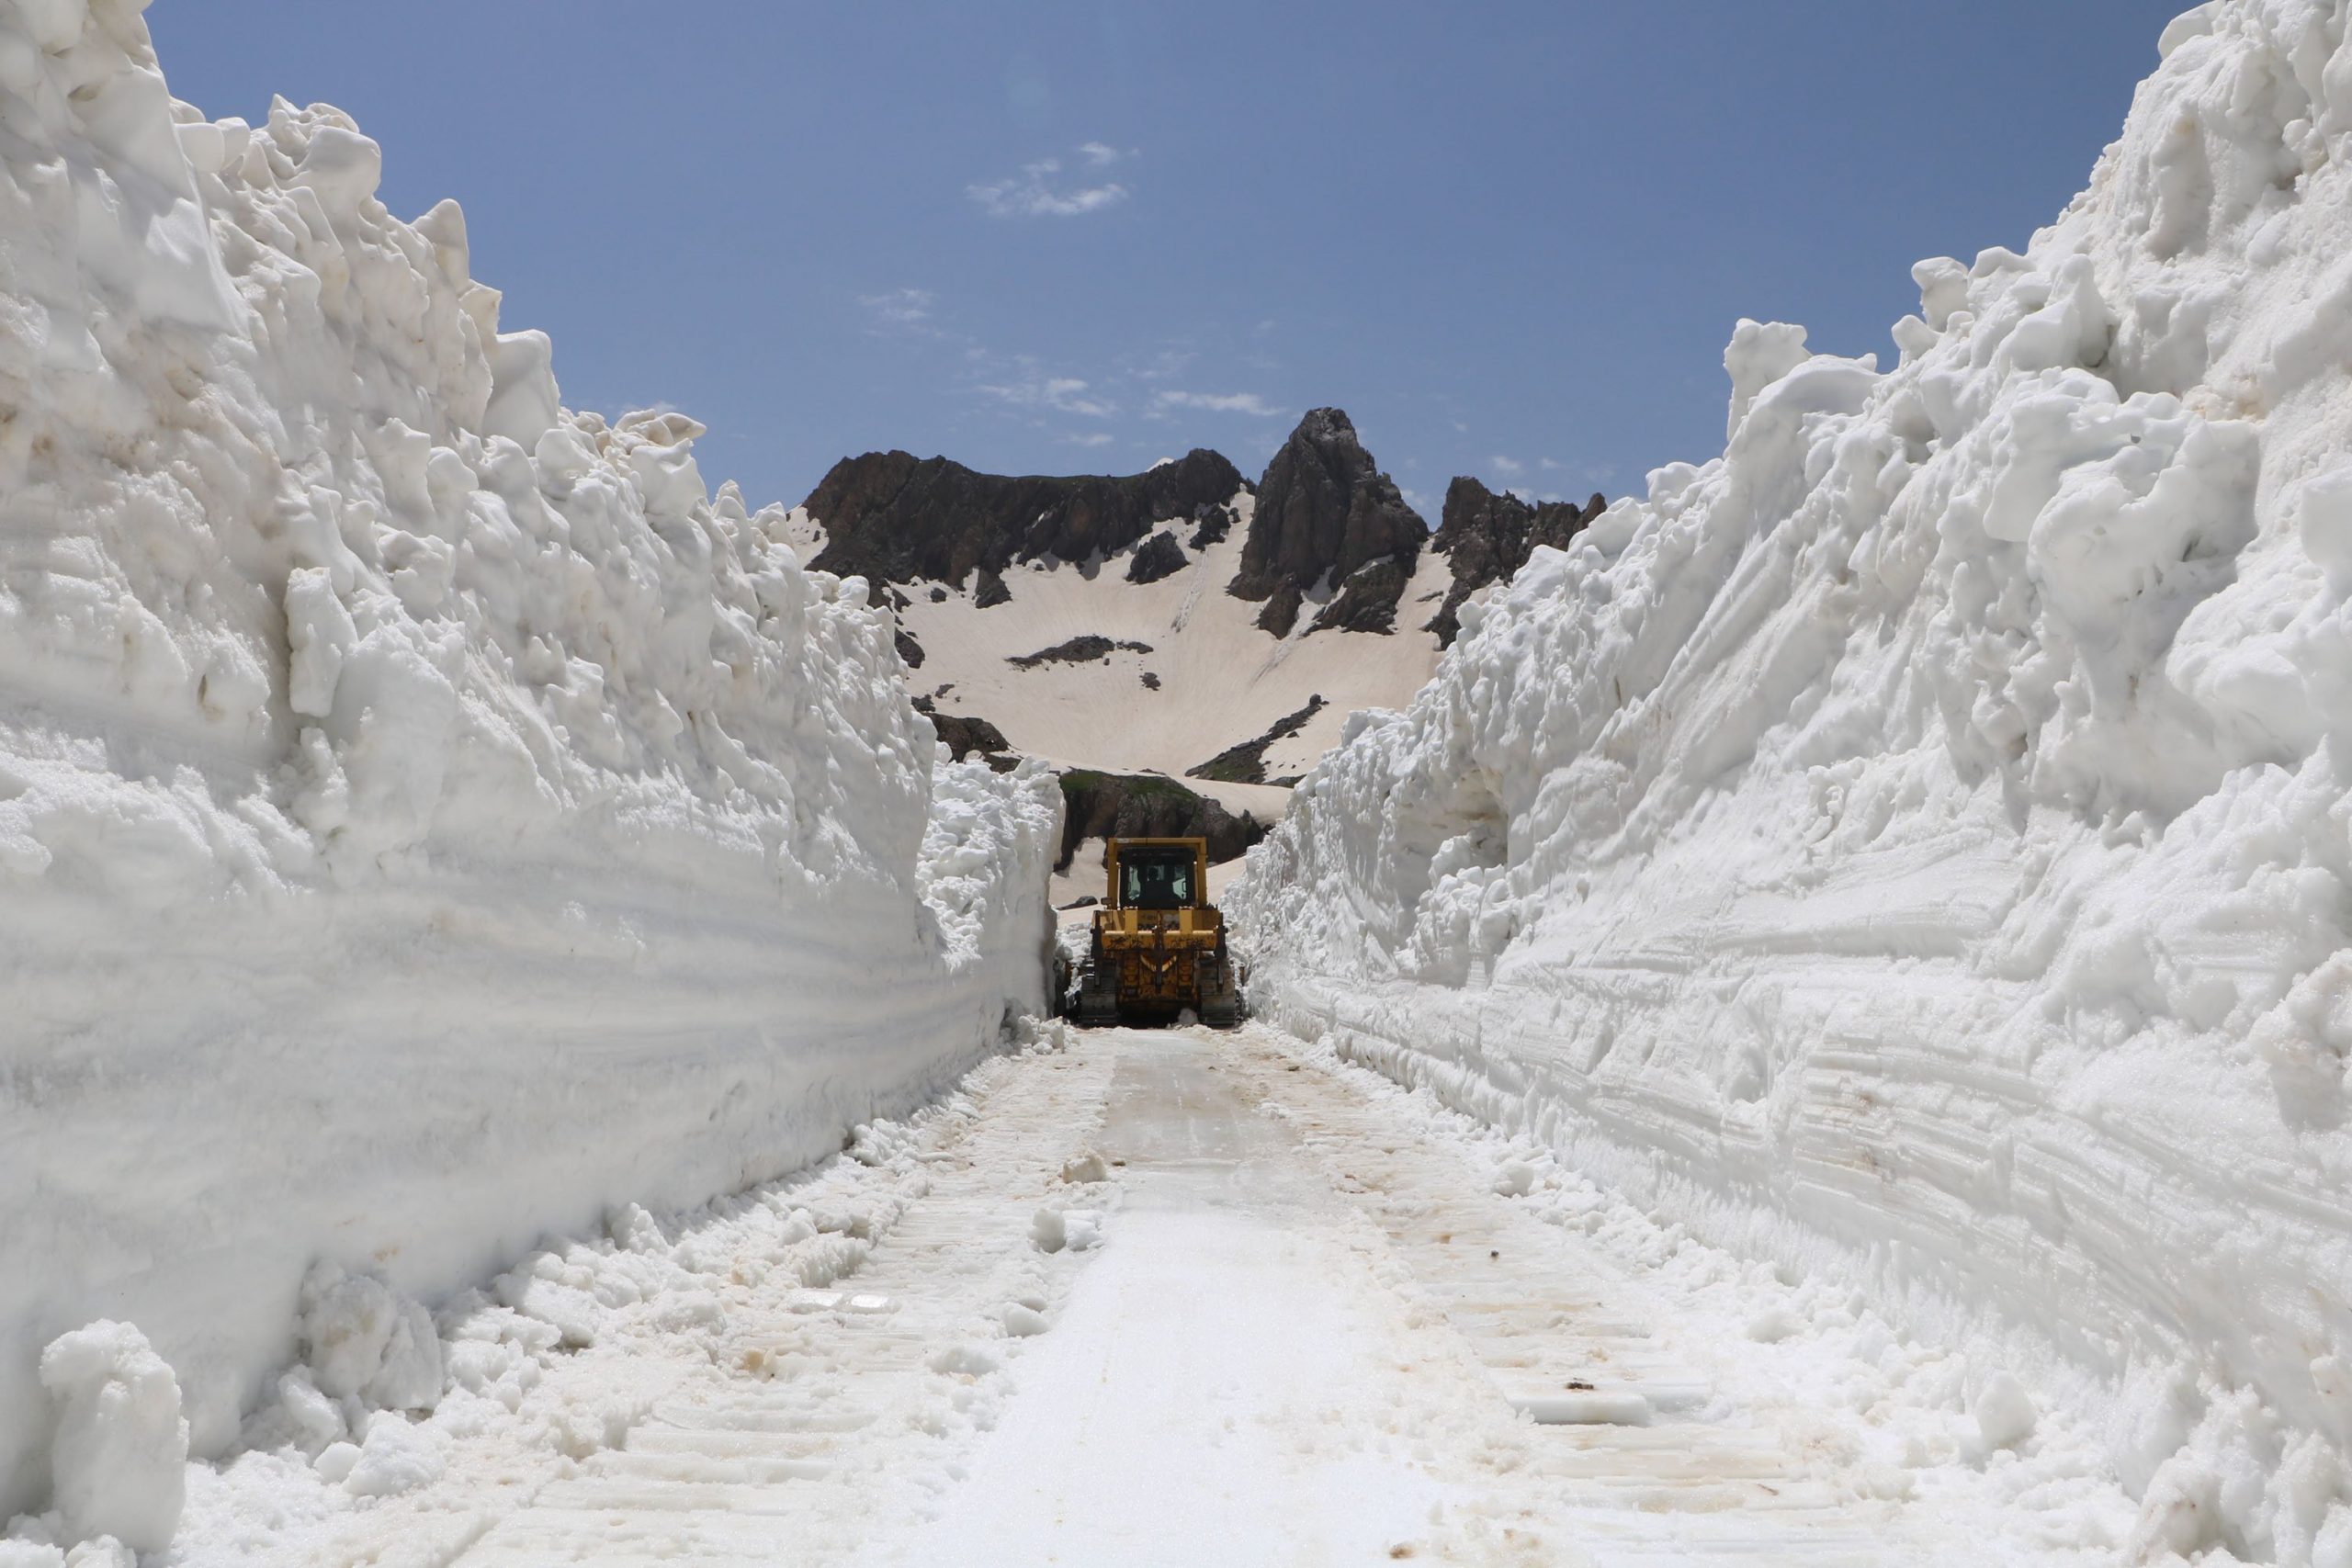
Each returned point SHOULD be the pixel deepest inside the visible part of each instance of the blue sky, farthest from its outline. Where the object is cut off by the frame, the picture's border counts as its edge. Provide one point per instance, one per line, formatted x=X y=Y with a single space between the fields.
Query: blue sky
x=1510 y=239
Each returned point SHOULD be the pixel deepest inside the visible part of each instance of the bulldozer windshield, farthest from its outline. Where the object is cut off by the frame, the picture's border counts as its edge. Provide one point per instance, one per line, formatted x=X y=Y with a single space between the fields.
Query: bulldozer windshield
x=1155 y=879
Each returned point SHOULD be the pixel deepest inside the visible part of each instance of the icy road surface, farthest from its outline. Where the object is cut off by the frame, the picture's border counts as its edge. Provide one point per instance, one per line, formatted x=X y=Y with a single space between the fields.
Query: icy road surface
x=1179 y=1299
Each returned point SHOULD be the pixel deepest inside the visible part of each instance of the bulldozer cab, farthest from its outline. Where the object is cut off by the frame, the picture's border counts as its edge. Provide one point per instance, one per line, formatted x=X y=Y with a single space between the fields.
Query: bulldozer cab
x=1158 y=874
x=1158 y=949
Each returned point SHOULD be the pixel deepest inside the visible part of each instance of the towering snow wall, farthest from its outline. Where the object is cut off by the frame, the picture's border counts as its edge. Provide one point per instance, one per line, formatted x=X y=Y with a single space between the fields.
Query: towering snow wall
x=427 y=817
x=1916 y=843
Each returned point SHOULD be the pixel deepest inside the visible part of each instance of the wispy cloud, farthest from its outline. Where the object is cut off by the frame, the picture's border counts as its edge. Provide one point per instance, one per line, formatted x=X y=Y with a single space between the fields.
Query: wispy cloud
x=1164 y=365
x=1250 y=403
x=900 y=310
x=1038 y=191
x=1061 y=394
x=1089 y=438
x=1571 y=474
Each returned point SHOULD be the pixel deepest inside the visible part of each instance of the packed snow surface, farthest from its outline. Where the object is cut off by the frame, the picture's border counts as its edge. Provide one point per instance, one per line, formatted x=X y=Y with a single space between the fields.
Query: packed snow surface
x=429 y=817
x=1316 y=1319
x=1914 y=844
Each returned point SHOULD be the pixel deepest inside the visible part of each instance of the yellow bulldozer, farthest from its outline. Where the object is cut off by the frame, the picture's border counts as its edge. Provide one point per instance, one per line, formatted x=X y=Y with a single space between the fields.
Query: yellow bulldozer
x=1158 y=947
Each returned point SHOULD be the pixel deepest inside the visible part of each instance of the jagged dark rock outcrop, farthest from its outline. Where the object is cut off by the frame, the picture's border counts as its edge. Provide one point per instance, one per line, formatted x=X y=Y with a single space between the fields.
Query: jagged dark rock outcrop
x=910 y=650
x=1077 y=650
x=1129 y=805
x=988 y=590
x=1246 y=764
x=966 y=733
x=1486 y=538
x=1366 y=601
x=894 y=517
x=1324 y=509
x=1282 y=609
x=1160 y=555
x=1210 y=525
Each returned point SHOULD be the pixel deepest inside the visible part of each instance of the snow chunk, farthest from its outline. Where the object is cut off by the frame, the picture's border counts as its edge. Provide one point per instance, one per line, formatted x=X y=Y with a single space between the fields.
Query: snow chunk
x=1515 y=1180
x=362 y=1338
x=119 y=1457
x=1075 y=1229
x=103 y=1552
x=524 y=402
x=1081 y=1168
x=336 y=1462
x=396 y=1457
x=2004 y=1412
x=1759 y=354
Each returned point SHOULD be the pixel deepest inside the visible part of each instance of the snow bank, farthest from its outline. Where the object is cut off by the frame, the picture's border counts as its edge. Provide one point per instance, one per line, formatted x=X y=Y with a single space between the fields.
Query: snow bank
x=427 y=817
x=1914 y=844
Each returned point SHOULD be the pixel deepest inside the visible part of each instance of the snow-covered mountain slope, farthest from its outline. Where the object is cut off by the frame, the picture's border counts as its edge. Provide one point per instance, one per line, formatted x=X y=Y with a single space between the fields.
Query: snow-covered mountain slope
x=1179 y=621
x=1216 y=678
x=427 y=818
x=1914 y=845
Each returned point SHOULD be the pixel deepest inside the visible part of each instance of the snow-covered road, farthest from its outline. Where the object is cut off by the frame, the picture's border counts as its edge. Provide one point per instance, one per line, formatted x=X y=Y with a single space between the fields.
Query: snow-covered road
x=1318 y=1319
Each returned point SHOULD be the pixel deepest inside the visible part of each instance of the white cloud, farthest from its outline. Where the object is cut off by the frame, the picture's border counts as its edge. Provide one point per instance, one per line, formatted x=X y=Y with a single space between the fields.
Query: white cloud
x=1510 y=467
x=1036 y=193
x=1250 y=403
x=1550 y=465
x=900 y=308
x=1090 y=438
x=1063 y=394
x=1167 y=362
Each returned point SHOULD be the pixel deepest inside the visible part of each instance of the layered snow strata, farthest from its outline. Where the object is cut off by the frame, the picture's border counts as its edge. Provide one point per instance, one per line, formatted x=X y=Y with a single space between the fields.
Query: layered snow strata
x=1914 y=844
x=427 y=817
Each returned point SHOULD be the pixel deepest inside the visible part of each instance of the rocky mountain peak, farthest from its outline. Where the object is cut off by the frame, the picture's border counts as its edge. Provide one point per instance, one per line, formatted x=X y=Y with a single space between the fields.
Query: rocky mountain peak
x=893 y=517
x=1486 y=538
x=1325 y=509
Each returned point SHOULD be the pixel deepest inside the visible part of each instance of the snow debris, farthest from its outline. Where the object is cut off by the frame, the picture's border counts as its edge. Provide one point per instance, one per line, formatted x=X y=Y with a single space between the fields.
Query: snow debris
x=2004 y=1412
x=361 y=1338
x=336 y=1462
x=119 y=1457
x=1910 y=846
x=1515 y=1180
x=1085 y=1168
x=302 y=1418
x=30 y=1547
x=1076 y=1229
